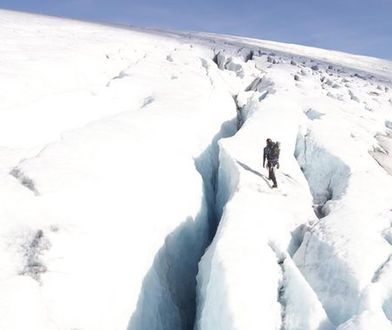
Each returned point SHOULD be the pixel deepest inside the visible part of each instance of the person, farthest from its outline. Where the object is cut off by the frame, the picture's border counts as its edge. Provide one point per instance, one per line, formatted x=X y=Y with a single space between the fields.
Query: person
x=271 y=155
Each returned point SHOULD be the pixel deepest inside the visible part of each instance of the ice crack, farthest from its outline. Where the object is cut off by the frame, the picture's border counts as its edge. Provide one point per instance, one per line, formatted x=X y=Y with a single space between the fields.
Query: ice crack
x=24 y=180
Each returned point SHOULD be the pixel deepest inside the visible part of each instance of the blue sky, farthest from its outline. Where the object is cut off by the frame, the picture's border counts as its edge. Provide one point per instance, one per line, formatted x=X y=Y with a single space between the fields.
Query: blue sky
x=355 y=26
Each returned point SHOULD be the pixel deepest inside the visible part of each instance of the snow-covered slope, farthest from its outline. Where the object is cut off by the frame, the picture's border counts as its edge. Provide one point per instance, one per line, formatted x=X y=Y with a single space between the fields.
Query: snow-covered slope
x=124 y=150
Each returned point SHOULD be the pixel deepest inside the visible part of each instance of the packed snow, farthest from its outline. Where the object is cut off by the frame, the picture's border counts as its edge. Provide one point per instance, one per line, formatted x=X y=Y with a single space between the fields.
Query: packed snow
x=133 y=194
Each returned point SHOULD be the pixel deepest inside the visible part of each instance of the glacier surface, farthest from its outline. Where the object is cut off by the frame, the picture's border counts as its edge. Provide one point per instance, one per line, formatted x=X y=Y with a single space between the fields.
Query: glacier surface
x=133 y=194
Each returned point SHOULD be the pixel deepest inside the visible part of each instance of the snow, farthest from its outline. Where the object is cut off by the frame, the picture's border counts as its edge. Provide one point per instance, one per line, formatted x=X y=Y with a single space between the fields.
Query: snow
x=125 y=152
x=112 y=177
x=303 y=310
x=330 y=135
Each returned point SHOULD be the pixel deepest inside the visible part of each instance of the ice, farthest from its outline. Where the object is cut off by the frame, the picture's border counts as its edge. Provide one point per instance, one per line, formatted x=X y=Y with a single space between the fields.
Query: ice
x=110 y=172
x=302 y=309
x=133 y=194
x=366 y=320
x=325 y=285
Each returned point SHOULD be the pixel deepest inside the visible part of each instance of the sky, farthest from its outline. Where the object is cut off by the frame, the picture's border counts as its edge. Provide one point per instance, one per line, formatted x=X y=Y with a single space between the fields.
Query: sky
x=355 y=26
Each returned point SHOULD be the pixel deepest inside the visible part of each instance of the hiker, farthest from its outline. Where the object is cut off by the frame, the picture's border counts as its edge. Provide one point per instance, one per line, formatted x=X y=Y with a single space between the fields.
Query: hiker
x=271 y=154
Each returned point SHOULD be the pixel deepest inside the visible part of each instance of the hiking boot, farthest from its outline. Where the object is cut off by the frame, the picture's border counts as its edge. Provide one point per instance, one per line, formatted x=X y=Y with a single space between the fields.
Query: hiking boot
x=274 y=186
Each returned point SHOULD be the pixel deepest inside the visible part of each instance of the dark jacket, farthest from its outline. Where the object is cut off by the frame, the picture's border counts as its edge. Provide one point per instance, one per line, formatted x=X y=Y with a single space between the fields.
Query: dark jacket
x=269 y=155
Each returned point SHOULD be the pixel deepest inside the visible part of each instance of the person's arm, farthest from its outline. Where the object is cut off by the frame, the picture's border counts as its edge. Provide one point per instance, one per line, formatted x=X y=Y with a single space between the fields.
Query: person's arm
x=264 y=156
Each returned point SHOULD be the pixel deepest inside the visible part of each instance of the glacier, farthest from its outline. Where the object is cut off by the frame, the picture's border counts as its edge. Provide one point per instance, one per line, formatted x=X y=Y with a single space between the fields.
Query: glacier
x=133 y=194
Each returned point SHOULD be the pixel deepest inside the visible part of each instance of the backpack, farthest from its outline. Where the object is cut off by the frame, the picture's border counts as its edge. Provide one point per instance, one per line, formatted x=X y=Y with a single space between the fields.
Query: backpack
x=275 y=150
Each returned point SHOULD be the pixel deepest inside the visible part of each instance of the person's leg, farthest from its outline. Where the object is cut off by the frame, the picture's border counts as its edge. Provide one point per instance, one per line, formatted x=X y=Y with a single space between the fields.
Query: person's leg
x=272 y=175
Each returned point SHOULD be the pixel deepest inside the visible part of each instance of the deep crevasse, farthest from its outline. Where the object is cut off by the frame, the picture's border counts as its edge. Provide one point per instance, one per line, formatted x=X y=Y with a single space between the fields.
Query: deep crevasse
x=254 y=236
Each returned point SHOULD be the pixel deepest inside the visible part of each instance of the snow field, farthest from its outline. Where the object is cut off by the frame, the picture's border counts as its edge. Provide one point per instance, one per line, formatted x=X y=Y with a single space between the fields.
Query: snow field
x=114 y=211
x=119 y=163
